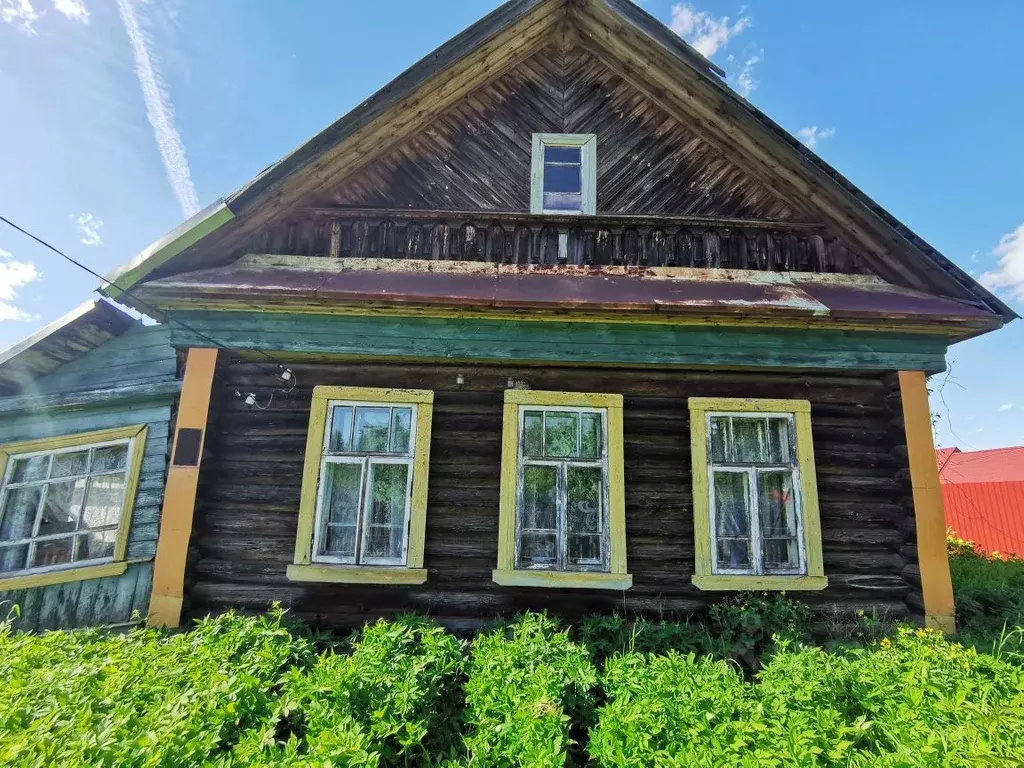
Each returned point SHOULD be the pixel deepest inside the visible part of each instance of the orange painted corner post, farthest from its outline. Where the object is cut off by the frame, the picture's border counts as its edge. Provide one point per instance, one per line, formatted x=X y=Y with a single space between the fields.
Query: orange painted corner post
x=929 y=515
x=180 y=492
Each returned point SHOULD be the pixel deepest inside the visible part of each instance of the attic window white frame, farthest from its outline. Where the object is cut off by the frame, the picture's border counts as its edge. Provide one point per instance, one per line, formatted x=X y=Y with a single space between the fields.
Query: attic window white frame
x=587 y=142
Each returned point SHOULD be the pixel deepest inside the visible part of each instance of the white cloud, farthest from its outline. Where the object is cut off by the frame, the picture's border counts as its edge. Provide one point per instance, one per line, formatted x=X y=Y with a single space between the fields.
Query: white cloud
x=20 y=13
x=813 y=134
x=1005 y=407
x=13 y=275
x=88 y=228
x=746 y=83
x=160 y=112
x=73 y=9
x=703 y=31
x=1010 y=272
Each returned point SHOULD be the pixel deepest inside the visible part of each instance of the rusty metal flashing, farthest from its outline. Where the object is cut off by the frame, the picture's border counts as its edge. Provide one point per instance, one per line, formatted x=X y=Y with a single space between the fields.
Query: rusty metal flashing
x=320 y=285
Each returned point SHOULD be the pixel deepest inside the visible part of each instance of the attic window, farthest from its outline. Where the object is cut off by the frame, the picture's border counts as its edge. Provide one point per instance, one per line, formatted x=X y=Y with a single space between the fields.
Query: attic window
x=564 y=171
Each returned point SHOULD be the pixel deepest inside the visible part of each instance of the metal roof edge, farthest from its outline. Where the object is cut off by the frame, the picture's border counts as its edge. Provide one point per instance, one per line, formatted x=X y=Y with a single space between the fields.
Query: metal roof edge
x=188 y=233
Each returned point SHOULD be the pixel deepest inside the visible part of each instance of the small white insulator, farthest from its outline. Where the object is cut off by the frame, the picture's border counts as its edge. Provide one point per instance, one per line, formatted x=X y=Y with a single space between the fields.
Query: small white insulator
x=286 y=375
x=460 y=380
x=250 y=400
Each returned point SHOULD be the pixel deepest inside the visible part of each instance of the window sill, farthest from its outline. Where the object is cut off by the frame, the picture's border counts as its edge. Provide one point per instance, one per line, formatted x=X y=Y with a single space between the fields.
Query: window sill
x=729 y=583
x=562 y=579
x=46 y=578
x=342 y=574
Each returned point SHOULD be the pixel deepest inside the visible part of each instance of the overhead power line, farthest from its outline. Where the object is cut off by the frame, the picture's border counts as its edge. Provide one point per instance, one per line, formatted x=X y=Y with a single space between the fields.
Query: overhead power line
x=286 y=374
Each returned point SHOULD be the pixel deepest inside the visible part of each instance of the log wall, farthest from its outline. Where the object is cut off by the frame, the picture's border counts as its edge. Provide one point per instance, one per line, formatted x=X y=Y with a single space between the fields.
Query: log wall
x=250 y=487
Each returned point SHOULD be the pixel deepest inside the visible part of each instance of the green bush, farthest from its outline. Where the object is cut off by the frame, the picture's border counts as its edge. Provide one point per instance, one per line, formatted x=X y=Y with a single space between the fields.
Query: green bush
x=140 y=699
x=751 y=624
x=989 y=592
x=670 y=710
x=392 y=699
x=526 y=682
x=913 y=700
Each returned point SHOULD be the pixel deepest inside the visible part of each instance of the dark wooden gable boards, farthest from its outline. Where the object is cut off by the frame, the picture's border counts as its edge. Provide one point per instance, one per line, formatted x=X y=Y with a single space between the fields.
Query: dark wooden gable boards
x=477 y=155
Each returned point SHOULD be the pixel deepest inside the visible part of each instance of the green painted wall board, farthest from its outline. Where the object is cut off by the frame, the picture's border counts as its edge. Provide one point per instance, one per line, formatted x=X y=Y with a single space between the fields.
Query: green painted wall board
x=562 y=342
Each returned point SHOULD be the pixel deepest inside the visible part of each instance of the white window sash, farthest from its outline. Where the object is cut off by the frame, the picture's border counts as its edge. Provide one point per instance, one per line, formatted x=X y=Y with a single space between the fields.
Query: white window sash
x=45 y=484
x=562 y=466
x=366 y=460
x=752 y=471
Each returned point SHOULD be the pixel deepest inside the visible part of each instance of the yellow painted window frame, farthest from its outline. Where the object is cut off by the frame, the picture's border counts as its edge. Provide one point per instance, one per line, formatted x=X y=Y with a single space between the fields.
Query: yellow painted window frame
x=136 y=435
x=704 y=577
x=506 y=573
x=413 y=572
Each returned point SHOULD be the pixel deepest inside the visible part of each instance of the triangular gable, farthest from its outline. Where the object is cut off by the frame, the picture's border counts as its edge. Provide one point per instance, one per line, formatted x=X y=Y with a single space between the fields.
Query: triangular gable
x=635 y=48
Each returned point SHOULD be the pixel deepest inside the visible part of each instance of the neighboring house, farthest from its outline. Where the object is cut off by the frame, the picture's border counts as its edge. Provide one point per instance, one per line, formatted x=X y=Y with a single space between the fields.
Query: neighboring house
x=555 y=320
x=983 y=493
x=85 y=412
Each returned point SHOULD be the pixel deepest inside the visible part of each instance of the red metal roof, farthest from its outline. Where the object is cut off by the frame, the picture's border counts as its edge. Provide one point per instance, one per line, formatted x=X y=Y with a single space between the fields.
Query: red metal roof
x=983 y=493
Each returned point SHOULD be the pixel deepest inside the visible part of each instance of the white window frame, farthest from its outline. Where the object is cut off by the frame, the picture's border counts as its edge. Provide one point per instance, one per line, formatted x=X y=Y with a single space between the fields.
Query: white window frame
x=751 y=471
x=35 y=539
x=588 y=171
x=561 y=491
x=366 y=460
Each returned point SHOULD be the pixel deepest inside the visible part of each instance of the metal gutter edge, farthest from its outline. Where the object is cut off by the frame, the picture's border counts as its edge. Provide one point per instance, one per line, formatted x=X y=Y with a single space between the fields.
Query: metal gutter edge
x=186 y=234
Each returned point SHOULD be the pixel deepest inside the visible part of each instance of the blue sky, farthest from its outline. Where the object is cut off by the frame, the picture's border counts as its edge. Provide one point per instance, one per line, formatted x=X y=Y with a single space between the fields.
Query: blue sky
x=921 y=110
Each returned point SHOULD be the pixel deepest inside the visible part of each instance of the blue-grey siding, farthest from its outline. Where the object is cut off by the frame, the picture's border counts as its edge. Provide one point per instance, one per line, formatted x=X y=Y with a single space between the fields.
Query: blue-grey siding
x=140 y=357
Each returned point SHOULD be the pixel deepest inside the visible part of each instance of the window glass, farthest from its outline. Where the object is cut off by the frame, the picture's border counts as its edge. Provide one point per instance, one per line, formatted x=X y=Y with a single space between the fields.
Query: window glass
x=362 y=512
x=533 y=433
x=563 y=178
x=590 y=441
x=562 y=506
x=341 y=430
x=732 y=517
x=401 y=428
x=63 y=506
x=754 y=507
x=386 y=510
x=341 y=507
x=778 y=521
x=583 y=514
x=371 y=435
x=561 y=431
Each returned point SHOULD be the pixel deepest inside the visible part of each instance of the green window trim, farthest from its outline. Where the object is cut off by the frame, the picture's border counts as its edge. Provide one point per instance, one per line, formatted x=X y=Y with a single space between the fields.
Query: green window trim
x=506 y=573
x=306 y=567
x=587 y=142
x=812 y=576
x=117 y=563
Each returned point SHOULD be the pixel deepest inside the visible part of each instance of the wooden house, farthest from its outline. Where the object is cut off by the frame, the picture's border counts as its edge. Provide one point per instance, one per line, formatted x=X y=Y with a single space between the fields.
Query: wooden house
x=555 y=320
x=85 y=413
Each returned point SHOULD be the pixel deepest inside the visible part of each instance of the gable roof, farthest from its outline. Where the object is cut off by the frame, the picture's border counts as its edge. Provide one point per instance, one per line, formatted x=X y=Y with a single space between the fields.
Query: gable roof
x=983 y=495
x=999 y=465
x=70 y=337
x=639 y=47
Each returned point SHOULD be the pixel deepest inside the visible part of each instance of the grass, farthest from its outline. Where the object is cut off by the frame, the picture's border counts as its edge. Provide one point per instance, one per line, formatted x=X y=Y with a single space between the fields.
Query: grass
x=989 y=594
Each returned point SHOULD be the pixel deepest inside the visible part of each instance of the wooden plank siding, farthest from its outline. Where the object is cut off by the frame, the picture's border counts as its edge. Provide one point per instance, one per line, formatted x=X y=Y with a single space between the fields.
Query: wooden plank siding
x=131 y=364
x=477 y=155
x=249 y=493
x=560 y=342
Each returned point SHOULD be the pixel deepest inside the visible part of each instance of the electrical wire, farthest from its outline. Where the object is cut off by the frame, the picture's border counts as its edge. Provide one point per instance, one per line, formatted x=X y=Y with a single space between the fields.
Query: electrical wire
x=153 y=311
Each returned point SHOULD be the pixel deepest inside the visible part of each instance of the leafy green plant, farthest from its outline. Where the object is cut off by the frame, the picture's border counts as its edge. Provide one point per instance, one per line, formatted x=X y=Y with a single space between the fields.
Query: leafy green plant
x=526 y=681
x=140 y=699
x=670 y=710
x=392 y=700
x=988 y=590
x=752 y=623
